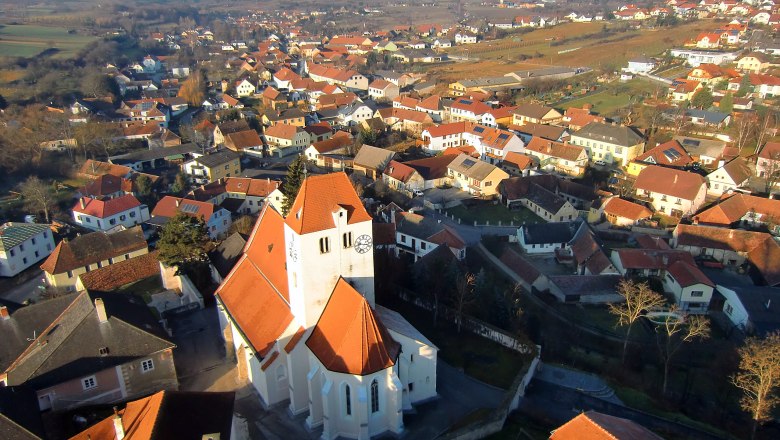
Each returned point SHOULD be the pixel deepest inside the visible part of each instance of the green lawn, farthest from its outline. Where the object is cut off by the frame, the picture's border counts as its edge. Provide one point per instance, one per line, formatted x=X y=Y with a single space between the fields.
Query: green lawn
x=614 y=96
x=483 y=212
x=480 y=358
x=30 y=40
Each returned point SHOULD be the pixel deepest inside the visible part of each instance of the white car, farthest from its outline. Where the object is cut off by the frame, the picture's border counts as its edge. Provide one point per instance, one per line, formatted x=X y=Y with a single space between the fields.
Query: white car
x=600 y=163
x=418 y=193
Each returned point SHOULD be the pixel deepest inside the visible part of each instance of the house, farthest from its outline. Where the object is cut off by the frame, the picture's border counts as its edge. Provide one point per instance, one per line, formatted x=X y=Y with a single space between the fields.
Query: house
x=83 y=349
x=706 y=117
x=159 y=416
x=418 y=236
x=382 y=89
x=284 y=139
x=731 y=175
x=349 y=79
x=290 y=116
x=682 y=90
x=465 y=37
x=517 y=164
x=711 y=74
x=312 y=280
x=217 y=219
x=212 y=167
x=588 y=254
x=439 y=138
x=244 y=88
x=543 y=238
x=91 y=251
x=576 y=118
x=104 y=215
x=672 y=192
x=224 y=128
x=121 y=274
x=611 y=143
x=762 y=85
x=642 y=262
x=332 y=153
x=253 y=193
x=641 y=65
x=143 y=160
x=691 y=288
x=733 y=248
x=401 y=119
x=621 y=212
x=564 y=158
x=742 y=210
x=529 y=276
x=550 y=132
x=22 y=245
x=541 y=194
x=469 y=110
x=475 y=176
x=668 y=154
x=372 y=161
x=595 y=425
x=751 y=309
x=708 y=40
x=535 y=113
x=754 y=62
x=768 y=163
x=704 y=151
x=242 y=140
x=492 y=143
x=417 y=174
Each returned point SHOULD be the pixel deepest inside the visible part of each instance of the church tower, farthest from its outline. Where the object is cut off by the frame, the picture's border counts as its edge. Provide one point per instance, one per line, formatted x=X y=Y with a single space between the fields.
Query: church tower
x=328 y=234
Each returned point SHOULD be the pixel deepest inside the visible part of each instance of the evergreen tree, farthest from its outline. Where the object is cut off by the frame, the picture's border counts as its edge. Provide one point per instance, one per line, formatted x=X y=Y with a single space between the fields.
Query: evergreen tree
x=727 y=103
x=296 y=172
x=180 y=184
x=183 y=242
x=702 y=99
x=744 y=86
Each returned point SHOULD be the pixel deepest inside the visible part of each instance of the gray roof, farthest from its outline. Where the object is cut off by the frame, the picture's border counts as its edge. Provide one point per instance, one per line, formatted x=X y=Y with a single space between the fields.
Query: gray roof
x=418 y=226
x=471 y=167
x=157 y=153
x=74 y=343
x=546 y=199
x=701 y=147
x=13 y=234
x=373 y=157
x=224 y=257
x=613 y=134
x=763 y=307
x=216 y=159
x=709 y=117
x=490 y=81
x=395 y=322
x=555 y=232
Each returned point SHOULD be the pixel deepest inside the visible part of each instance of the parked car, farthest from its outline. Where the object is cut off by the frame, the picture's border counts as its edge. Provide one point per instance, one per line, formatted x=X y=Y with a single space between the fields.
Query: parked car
x=600 y=163
x=418 y=193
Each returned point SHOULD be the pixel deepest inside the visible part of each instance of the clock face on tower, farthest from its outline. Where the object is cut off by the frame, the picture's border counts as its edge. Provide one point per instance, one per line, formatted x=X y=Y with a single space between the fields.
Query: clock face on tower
x=363 y=244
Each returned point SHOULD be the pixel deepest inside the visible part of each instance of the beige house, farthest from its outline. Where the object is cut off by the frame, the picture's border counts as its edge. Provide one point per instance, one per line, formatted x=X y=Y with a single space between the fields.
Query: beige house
x=91 y=251
x=610 y=143
x=286 y=139
x=535 y=113
x=753 y=62
x=672 y=192
x=475 y=176
x=372 y=161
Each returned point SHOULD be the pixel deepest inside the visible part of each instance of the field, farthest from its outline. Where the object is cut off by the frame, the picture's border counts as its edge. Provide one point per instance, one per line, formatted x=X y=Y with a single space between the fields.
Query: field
x=569 y=44
x=30 y=40
x=614 y=96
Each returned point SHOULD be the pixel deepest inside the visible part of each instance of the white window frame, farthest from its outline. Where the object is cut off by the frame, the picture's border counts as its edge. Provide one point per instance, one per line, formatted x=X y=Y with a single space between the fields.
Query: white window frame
x=89 y=383
x=147 y=365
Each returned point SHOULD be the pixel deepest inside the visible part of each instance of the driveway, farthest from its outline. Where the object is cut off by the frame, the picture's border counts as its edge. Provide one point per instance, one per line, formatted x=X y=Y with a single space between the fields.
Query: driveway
x=29 y=289
x=199 y=345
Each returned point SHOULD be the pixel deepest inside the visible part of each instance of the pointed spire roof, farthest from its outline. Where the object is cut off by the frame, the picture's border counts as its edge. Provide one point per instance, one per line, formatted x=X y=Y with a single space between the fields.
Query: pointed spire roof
x=319 y=198
x=349 y=338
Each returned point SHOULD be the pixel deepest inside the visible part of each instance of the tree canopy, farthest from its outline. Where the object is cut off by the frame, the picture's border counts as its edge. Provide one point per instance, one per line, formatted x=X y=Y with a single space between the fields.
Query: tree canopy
x=183 y=242
x=296 y=173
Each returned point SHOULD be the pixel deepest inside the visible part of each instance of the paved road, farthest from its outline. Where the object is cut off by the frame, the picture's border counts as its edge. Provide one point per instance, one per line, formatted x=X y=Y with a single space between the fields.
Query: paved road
x=26 y=290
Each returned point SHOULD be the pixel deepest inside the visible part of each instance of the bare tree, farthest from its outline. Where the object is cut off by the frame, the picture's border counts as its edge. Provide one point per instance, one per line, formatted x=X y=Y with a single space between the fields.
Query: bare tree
x=745 y=131
x=638 y=299
x=759 y=377
x=769 y=170
x=765 y=124
x=673 y=332
x=464 y=295
x=38 y=196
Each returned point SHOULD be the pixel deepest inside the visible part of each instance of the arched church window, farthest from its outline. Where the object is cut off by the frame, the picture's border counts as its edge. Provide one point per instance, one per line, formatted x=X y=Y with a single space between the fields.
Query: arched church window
x=374 y=396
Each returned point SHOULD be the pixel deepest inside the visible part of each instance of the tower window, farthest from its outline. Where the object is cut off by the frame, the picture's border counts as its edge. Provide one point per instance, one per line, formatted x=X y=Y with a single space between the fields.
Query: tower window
x=348 y=400
x=347 y=239
x=324 y=245
x=374 y=396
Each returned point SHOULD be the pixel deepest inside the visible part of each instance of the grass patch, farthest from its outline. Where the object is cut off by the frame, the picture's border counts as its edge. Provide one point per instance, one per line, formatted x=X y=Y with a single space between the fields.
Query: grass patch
x=485 y=211
x=613 y=96
x=480 y=358
x=597 y=317
x=30 y=40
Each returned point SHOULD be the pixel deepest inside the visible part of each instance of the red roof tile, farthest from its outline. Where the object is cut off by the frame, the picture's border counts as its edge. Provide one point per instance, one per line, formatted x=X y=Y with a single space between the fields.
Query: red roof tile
x=669 y=181
x=169 y=206
x=319 y=198
x=349 y=338
x=688 y=274
x=625 y=209
x=106 y=208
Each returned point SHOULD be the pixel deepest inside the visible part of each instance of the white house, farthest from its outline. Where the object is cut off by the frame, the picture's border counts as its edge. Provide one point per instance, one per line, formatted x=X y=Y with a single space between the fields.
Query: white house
x=752 y=309
x=103 y=215
x=640 y=65
x=673 y=192
x=691 y=288
x=22 y=245
x=541 y=238
x=217 y=219
x=312 y=281
x=245 y=88
x=418 y=236
x=734 y=174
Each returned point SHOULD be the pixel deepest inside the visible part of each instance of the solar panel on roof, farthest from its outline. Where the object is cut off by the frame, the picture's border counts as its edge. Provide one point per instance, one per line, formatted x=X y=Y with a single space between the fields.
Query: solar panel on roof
x=672 y=154
x=503 y=136
x=468 y=163
x=466 y=101
x=186 y=207
x=691 y=142
x=479 y=129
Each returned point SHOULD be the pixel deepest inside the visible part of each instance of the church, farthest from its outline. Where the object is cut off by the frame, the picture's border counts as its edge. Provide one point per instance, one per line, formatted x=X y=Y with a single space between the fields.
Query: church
x=299 y=310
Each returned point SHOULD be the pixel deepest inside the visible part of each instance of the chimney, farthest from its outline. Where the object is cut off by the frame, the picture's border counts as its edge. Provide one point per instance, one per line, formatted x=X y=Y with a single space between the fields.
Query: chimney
x=675 y=178
x=178 y=202
x=392 y=215
x=83 y=203
x=101 y=310
x=118 y=428
x=4 y=315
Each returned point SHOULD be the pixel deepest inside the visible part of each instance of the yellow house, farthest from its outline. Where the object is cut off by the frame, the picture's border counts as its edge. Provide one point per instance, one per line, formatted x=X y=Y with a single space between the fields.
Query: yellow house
x=212 y=167
x=91 y=251
x=753 y=62
x=475 y=176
